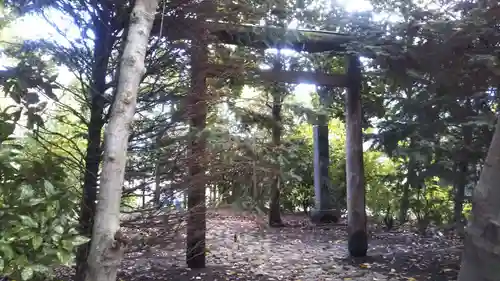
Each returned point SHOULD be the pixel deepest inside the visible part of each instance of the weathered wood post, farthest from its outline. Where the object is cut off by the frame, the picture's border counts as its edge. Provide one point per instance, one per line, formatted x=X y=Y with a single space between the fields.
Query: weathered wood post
x=197 y=114
x=356 y=213
x=324 y=211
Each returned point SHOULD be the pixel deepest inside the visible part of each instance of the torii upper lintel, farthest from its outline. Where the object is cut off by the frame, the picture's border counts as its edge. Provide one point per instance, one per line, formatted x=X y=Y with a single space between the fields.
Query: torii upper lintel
x=261 y=37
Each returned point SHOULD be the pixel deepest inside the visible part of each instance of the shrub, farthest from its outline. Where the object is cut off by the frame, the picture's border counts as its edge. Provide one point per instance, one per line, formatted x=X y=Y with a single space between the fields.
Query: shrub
x=37 y=214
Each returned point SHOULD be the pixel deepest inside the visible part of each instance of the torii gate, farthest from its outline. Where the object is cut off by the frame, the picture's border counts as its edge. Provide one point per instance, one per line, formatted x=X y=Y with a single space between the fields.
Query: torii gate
x=298 y=40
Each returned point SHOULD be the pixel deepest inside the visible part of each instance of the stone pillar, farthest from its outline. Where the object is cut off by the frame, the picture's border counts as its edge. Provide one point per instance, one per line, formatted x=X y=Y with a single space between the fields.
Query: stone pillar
x=324 y=211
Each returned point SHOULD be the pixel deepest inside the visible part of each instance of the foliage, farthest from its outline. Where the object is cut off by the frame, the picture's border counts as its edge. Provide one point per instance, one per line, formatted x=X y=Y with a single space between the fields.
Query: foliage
x=36 y=210
x=432 y=203
x=380 y=172
x=381 y=184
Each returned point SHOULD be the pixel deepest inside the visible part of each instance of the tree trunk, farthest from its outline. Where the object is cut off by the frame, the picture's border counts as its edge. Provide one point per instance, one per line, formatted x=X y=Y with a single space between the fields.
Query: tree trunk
x=197 y=110
x=144 y=194
x=274 y=204
x=89 y=196
x=184 y=199
x=411 y=184
x=255 y=191
x=356 y=213
x=211 y=195
x=102 y=52
x=405 y=202
x=158 y=190
x=462 y=173
x=480 y=258
x=107 y=244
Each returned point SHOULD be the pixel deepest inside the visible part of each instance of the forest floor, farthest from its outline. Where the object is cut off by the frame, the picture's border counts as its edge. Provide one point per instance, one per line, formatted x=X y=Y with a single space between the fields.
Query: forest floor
x=299 y=251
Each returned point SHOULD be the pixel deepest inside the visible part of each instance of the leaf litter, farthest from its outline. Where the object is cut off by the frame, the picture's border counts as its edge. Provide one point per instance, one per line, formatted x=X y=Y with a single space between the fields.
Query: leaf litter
x=242 y=247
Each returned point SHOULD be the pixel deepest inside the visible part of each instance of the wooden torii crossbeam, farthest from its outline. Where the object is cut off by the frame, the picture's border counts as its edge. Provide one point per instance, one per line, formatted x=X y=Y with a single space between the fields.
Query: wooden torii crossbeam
x=264 y=37
x=260 y=37
x=273 y=75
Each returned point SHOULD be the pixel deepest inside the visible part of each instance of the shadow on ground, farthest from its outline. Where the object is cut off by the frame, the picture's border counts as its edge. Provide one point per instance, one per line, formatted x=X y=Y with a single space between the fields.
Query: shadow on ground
x=212 y=273
x=406 y=266
x=435 y=258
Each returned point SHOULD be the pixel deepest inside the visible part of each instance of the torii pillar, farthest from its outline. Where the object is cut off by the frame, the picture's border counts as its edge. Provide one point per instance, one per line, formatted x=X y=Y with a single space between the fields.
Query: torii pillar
x=324 y=210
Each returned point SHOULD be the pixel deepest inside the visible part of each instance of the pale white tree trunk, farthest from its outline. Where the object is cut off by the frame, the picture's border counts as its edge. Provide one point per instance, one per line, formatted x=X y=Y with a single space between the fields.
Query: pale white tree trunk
x=106 y=250
x=481 y=256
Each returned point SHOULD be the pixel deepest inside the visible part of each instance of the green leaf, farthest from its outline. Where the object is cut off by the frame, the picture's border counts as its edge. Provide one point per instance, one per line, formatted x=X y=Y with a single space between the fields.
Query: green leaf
x=40 y=268
x=37 y=242
x=6 y=129
x=55 y=237
x=80 y=240
x=295 y=176
x=16 y=96
x=49 y=188
x=35 y=201
x=7 y=250
x=21 y=261
x=26 y=191
x=64 y=256
x=28 y=221
x=27 y=273
x=67 y=245
x=2 y=264
x=58 y=229
x=26 y=236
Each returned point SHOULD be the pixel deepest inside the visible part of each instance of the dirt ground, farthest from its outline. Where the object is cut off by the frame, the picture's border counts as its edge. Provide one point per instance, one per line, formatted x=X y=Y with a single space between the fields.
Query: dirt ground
x=299 y=251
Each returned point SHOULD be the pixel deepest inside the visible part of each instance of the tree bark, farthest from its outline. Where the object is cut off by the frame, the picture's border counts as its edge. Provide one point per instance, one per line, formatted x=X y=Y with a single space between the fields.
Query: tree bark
x=255 y=192
x=462 y=173
x=356 y=212
x=107 y=246
x=197 y=110
x=102 y=52
x=411 y=184
x=89 y=195
x=481 y=255
x=405 y=202
x=274 y=204
x=463 y=170
x=158 y=191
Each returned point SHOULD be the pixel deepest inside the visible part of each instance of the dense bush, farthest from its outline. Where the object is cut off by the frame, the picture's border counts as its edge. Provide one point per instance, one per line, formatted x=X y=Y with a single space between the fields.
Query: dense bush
x=37 y=211
x=384 y=180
